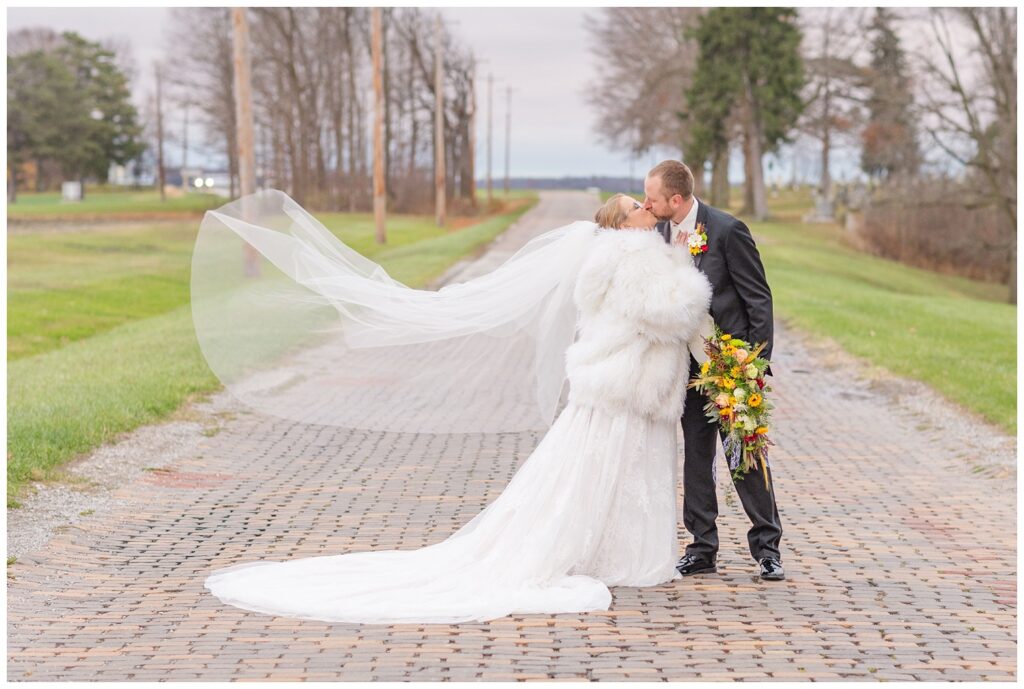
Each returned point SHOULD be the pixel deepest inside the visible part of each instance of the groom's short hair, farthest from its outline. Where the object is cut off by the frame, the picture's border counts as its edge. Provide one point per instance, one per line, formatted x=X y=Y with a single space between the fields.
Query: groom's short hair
x=676 y=178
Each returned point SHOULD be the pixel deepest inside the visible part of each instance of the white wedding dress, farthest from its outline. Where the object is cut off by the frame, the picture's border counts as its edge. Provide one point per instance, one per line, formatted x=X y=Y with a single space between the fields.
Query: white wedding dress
x=593 y=506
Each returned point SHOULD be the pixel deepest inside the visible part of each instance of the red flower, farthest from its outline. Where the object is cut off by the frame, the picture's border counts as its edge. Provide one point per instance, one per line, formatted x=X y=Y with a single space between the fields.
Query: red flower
x=760 y=383
x=750 y=438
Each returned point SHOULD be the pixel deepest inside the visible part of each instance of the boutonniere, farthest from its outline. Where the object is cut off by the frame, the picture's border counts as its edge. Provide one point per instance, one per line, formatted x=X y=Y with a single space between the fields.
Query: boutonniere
x=698 y=240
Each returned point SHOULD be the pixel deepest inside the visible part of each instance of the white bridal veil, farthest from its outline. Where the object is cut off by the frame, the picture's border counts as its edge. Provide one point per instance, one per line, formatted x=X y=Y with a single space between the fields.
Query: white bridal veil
x=299 y=325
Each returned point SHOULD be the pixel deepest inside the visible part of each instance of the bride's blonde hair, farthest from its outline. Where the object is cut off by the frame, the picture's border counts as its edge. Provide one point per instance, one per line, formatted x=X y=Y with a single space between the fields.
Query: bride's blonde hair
x=612 y=214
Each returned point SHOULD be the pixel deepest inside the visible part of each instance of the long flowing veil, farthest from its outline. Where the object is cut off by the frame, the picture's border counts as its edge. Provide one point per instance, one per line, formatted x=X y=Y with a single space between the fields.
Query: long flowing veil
x=297 y=324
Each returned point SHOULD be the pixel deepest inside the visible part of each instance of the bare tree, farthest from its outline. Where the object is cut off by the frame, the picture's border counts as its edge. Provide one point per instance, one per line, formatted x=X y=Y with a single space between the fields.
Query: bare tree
x=161 y=169
x=31 y=39
x=646 y=63
x=972 y=97
x=832 y=39
x=312 y=73
x=199 y=47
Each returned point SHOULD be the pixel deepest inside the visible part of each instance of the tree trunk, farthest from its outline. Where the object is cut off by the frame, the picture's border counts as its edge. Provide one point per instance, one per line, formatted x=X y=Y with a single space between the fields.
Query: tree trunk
x=350 y=97
x=697 y=168
x=826 y=145
x=12 y=183
x=758 y=191
x=1013 y=272
x=720 y=178
x=748 y=173
x=278 y=146
x=385 y=21
x=160 y=169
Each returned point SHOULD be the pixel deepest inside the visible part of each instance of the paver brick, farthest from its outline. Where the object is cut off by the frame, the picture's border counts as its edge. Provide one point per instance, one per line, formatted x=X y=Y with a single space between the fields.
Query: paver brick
x=878 y=523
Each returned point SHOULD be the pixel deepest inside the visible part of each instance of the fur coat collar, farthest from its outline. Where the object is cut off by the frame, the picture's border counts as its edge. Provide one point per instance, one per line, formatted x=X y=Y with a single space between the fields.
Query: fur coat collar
x=642 y=305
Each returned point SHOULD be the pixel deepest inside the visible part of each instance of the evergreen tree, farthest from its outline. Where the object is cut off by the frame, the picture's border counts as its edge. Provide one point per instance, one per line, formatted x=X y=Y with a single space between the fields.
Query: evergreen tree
x=113 y=134
x=890 y=145
x=749 y=68
x=44 y=114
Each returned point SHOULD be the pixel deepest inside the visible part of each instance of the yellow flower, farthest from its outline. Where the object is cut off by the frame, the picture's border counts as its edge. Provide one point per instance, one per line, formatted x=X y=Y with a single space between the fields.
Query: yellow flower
x=726 y=338
x=704 y=368
x=755 y=400
x=728 y=383
x=725 y=411
x=761 y=430
x=735 y=372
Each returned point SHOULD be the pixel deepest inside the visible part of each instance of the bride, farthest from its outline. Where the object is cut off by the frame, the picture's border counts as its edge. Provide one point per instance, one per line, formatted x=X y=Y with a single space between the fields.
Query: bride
x=593 y=506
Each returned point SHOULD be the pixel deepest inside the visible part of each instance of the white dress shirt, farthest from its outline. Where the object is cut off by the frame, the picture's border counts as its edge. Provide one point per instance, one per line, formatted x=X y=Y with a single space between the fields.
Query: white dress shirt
x=687 y=224
x=707 y=329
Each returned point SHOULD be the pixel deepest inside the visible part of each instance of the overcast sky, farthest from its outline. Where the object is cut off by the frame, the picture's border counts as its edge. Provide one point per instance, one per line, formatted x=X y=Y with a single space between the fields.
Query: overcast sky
x=542 y=54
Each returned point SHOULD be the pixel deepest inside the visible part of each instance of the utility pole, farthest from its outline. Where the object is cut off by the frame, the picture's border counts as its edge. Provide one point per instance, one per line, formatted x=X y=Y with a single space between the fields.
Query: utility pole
x=244 y=119
x=184 y=151
x=379 y=191
x=472 y=135
x=490 y=126
x=160 y=176
x=508 y=127
x=439 y=171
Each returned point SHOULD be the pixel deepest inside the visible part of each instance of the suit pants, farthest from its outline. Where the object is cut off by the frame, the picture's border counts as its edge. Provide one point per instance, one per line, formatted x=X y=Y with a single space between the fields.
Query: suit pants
x=700 y=502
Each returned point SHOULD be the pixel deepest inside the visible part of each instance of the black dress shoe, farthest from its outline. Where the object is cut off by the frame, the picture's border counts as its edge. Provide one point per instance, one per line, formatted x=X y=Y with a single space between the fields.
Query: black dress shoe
x=771 y=569
x=689 y=565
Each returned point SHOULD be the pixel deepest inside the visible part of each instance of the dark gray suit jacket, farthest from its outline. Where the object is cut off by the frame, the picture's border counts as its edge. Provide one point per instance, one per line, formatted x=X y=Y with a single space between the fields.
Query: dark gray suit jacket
x=741 y=303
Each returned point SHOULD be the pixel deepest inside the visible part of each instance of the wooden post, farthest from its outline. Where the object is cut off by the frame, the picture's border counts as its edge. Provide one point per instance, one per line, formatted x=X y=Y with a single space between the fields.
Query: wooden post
x=472 y=135
x=243 y=119
x=161 y=179
x=508 y=127
x=379 y=190
x=439 y=170
x=490 y=128
x=184 y=151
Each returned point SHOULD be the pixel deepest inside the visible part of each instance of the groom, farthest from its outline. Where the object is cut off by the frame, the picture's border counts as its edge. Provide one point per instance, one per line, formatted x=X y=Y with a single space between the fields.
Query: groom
x=741 y=305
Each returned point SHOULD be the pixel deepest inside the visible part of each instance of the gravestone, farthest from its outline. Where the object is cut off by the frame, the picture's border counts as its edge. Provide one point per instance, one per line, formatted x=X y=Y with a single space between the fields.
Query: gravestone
x=71 y=191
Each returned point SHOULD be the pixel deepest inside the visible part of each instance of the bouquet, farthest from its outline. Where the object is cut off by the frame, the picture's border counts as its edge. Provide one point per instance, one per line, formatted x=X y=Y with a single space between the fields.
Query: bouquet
x=733 y=379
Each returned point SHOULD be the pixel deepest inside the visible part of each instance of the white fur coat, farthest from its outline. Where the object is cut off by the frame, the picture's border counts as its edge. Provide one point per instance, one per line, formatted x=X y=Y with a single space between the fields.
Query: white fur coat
x=642 y=304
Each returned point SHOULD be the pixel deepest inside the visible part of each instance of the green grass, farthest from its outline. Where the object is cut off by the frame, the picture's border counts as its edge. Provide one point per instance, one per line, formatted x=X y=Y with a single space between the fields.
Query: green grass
x=605 y=195
x=954 y=334
x=67 y=286
x=100 y=334
x=108 y=204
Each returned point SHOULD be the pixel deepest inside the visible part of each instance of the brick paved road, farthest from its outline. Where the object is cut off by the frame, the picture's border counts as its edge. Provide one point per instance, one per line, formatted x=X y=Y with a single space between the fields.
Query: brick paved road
x=900 y=561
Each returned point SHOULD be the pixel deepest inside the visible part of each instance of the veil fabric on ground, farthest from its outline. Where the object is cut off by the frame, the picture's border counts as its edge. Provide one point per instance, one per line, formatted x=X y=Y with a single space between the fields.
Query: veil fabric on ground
x=297 y=324
x=593 y=506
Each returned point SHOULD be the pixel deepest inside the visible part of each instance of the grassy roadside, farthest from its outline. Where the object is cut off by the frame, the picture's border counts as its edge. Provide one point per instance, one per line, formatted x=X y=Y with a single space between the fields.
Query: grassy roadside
x=105 y=204
x=68 y=286
x=68 y=395
x=954 y=334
